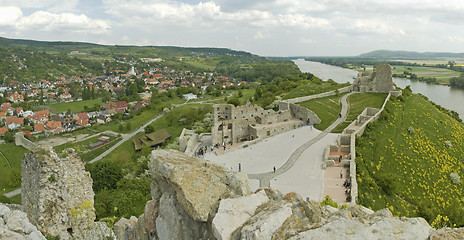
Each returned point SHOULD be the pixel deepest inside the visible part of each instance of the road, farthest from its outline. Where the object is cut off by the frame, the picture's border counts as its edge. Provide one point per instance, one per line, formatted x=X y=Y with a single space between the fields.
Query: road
x=125 y=137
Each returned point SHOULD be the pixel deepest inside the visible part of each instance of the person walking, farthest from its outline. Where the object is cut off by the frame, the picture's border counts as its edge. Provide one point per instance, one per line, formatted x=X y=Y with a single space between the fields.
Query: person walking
x=274 y=169
x=341 y=173
x=239 y=166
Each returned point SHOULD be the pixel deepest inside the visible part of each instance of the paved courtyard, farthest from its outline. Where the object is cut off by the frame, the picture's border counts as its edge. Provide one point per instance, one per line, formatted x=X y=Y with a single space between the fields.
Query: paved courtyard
x=305 y=177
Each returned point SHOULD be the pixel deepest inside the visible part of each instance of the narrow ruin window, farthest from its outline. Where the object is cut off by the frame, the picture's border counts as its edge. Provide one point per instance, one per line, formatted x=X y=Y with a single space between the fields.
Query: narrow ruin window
x=229 y=126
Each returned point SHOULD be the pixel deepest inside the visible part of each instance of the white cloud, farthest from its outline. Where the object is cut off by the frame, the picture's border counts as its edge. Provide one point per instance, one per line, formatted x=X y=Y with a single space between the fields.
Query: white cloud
x=205 y=13
x=260 y=35
x=306 y=40
x=62 y=22
x=45 y=21
x=303 y=21
x=49 y=5
x=9 y=15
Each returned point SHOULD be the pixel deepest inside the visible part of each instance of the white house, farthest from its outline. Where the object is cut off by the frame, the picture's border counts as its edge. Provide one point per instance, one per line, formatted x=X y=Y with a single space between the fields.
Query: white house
x=189 y=96
x=28 y=113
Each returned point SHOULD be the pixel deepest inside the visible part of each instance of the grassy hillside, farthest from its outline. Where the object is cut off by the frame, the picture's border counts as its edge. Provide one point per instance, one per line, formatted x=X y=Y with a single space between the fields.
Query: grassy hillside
x=27 y=60
x=359 y=102
x=387 y=54
x=326 y=108
x=10 y=166
x=74 y=107
x=404 y=163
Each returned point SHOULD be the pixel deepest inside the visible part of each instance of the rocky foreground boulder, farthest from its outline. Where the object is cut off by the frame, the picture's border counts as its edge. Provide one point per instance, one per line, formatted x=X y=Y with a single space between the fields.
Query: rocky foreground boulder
x=197 y=199
x=14 y=224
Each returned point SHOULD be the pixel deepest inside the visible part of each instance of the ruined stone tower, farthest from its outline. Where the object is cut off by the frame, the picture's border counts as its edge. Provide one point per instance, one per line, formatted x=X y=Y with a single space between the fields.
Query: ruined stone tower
x=57 y=195
x=378 y=81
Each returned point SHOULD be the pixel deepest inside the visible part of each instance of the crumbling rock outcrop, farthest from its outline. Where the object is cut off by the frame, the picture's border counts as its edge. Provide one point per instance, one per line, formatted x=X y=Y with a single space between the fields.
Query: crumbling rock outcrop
x=57 y=195
x=14 y=224
x=196 y=199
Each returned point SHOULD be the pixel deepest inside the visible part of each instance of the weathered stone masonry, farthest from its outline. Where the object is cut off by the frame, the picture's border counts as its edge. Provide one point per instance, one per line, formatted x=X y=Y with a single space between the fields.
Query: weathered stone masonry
x=246 y=123
x=57 y=195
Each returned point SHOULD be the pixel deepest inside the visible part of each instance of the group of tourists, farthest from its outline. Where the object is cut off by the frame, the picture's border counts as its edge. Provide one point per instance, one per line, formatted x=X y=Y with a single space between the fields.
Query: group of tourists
x=347 y=185
x=201 y=151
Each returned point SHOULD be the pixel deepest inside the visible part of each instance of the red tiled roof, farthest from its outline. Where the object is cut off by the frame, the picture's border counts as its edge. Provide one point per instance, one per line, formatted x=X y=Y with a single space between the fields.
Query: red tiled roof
x=82 y=122
x=39 y=127
x=16 y=120
x=3 y=130
x=5 y=105
x=28 y=133
x=83 y=115
x=53 y=124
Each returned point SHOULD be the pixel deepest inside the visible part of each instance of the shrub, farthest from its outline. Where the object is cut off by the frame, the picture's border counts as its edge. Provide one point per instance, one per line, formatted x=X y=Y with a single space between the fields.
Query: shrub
x=411 y=130
x=52 y=178
x=448 y=144
x=329 y=201
x=455 y=178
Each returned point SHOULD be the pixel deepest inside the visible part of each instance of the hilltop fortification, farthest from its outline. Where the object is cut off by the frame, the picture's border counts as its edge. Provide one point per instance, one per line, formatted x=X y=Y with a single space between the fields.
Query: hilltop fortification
x=247 y=123
x=379 y=80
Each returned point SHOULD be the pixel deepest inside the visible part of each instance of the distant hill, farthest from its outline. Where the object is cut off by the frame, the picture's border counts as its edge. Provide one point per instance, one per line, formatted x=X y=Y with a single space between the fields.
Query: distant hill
x=66 y=47
x=388 y=54
x=29 y=60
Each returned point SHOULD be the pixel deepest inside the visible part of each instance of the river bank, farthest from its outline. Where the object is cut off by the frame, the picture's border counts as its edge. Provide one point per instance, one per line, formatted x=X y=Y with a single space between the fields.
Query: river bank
x=447 y=97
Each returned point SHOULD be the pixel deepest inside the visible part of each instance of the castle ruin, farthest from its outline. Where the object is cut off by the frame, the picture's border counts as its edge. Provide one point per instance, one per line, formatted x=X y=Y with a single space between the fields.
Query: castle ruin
x=379 y=81
x=57 y=195
x=246 y=123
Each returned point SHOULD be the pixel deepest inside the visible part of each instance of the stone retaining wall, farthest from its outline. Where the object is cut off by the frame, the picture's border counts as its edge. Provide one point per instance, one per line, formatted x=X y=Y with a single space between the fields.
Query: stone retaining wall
x=366 y=117
x=360 y=132
x=189 y=141
x=20 y=140
x=320 y=95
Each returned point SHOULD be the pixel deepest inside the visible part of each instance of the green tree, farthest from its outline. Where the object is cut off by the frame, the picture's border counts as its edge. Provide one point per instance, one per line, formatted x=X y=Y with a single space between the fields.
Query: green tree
x=15 y=177
x=8 y=137
x=105 y=175
x=92 y=93
x=41 y=102
x=234 y=100
x=149 y=129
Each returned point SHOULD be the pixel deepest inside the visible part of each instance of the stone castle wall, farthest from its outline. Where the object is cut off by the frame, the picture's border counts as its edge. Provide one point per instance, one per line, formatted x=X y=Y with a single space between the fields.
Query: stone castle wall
x=378 y=81
x=57 y=195
x=247 y=123
x=20 y=140
x=320 y=95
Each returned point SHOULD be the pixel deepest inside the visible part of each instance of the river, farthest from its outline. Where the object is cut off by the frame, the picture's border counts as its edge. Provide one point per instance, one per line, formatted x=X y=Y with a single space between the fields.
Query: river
x=450 y=98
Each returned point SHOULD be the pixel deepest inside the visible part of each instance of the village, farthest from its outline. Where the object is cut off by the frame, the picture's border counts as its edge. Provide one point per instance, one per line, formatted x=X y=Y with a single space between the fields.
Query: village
x=20 y=112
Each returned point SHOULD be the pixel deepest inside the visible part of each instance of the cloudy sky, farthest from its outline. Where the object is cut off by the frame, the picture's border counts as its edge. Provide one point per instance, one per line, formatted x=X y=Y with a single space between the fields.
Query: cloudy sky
x=264 y=27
